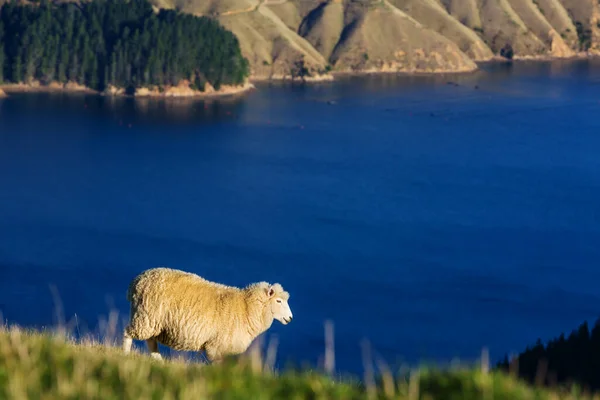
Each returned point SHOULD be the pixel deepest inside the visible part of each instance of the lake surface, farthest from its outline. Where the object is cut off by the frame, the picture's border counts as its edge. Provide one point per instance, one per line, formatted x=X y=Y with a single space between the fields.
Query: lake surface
x=433 y=219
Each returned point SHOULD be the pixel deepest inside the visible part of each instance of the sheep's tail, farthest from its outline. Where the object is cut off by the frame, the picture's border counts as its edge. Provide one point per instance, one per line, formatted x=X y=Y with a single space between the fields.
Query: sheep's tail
x=131 y=288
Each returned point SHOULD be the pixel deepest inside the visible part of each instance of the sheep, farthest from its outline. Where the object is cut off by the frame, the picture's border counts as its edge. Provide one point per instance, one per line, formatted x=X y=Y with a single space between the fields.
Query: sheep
x=184 y=311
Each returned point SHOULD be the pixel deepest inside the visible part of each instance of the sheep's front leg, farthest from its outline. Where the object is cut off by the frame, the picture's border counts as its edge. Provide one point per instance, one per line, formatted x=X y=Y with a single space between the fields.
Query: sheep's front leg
x=213 y=355
x=153 y=348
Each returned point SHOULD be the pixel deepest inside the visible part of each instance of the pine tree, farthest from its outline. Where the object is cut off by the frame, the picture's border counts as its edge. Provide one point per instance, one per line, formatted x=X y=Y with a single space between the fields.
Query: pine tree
x=73 y=71
x=117 y=42
x=63 y=63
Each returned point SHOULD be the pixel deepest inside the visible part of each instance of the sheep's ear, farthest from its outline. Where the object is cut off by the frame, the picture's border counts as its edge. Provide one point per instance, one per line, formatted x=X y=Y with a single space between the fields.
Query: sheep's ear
x=270 y=291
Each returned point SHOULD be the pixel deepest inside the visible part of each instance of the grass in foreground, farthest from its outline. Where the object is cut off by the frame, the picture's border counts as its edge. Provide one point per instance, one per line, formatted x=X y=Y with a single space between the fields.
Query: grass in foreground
x=36 y=365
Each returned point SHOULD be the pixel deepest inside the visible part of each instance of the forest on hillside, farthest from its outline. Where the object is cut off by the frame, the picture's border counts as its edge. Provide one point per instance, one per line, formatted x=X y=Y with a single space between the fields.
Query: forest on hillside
x=122 y=43
x=574 y=359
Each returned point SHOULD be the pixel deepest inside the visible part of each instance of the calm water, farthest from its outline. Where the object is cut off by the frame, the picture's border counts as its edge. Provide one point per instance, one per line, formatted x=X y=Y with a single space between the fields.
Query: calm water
x=430 y=218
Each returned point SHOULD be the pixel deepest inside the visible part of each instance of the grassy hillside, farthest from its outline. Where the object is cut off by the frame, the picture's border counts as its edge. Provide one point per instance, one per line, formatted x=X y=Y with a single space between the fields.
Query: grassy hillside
x=400 y=35
x=422 y=36
x=40 y=366
x=433 y=15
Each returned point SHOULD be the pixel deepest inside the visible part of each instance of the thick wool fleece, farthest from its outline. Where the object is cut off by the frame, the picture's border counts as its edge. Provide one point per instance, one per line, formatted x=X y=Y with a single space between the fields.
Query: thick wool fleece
x=183 y=311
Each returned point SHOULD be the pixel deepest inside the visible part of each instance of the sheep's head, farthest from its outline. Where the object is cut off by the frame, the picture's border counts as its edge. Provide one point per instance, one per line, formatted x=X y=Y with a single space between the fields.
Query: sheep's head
x=278 y=302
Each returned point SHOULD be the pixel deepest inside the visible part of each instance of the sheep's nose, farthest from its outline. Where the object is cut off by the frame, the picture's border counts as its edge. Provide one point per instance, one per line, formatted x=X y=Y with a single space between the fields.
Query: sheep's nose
x=291 y=318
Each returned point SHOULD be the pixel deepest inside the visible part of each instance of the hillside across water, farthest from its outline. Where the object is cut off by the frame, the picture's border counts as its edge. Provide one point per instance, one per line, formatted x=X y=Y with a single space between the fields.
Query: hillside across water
x=117 y=47
x=420 y=36
x=285 y=39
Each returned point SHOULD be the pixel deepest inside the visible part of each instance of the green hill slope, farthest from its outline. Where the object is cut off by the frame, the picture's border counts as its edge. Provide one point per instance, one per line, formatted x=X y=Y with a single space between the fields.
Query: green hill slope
x=37 y=366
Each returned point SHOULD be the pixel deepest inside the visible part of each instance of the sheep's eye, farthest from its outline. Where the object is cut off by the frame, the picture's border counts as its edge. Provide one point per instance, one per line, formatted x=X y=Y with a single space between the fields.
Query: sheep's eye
x=279 y=301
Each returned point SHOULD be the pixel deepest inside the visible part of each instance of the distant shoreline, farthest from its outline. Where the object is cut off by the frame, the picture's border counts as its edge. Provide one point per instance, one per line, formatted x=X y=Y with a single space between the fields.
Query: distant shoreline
x=582 y=56
x=181 y=91
x=332 y=75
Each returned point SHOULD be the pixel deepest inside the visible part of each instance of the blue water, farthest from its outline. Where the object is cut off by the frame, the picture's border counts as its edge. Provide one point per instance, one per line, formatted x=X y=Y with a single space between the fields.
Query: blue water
x=433 y=219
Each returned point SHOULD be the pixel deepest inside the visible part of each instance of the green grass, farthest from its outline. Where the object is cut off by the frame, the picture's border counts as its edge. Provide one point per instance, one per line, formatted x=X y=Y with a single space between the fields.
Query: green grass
x=36 y=365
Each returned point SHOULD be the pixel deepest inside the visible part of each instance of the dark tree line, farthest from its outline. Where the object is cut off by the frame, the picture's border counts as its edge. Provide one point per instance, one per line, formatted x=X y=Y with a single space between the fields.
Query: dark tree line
x=564 y=360
x=115 y=42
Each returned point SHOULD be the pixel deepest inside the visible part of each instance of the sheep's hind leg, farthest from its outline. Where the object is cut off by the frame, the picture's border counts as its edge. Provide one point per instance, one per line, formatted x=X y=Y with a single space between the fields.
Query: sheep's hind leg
x=153 y=348
x=127 y=342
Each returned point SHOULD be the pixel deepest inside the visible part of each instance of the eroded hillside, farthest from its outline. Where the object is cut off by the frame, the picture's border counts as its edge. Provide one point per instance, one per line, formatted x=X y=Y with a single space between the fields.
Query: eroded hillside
x=283 y=38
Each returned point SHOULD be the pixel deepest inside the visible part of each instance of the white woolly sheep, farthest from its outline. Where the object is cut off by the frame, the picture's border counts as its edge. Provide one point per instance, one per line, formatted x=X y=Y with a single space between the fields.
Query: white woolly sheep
x=185 y=312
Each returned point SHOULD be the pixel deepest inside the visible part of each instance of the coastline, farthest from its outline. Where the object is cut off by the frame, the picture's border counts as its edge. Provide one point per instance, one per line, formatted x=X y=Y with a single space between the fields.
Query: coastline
x=53 y=87
x=181 y=91
x=333 y=74
x=580 y=56
x=288 y=78
x=373 y=72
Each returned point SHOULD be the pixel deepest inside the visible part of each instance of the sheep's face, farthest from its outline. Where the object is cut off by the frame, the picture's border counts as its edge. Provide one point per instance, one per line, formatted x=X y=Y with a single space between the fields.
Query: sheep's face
x=278 y=299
